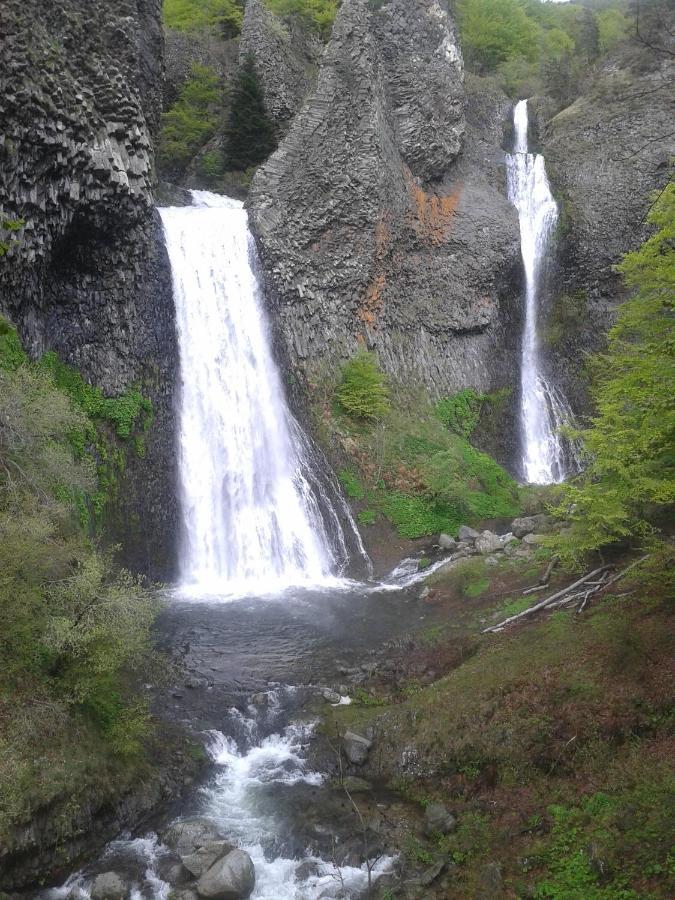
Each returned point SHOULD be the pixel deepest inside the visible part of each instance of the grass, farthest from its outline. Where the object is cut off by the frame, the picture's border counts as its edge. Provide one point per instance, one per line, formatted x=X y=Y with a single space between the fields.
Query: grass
x=551 y=744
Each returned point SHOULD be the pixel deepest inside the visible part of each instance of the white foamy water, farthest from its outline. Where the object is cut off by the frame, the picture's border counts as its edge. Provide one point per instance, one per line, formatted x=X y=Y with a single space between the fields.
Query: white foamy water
x=252 y=522
x=543 y=410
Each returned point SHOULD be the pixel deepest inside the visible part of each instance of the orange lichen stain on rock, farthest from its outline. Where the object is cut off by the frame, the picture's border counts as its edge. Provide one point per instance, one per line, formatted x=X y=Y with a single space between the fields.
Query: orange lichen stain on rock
x=373 y=301
x=433 y=213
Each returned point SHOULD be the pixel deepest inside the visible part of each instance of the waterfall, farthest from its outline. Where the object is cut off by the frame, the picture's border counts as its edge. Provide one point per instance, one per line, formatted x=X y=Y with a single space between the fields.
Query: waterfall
x=252 y=520
x=546 y=458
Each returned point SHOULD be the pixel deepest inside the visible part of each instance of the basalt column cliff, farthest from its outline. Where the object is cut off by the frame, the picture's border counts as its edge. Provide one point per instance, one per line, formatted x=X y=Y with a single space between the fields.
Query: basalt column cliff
x=87 y=275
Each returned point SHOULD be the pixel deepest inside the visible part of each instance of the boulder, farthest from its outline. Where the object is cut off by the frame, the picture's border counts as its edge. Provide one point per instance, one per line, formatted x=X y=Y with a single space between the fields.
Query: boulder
x=491 y=883
x=488 y=542
x=202 y=859
x=529 y=525
x=230 y=878
x=467 y=534
x=354 y=785
x=533 y=539
x=330 y=696
x=491 y=561
x=109 y=886
x=188 y=835
x=356 y=748
x=445 y=542
x=438 y=820
x=171 y=869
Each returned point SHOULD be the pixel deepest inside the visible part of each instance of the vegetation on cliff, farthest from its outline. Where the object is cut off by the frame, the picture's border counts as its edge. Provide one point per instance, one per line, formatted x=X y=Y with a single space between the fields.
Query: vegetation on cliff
x=74 y=630
x=224 y=16
x=249 y=134
x=409 y=460
x=320 y=13
x=539 y=47
x=628 y=486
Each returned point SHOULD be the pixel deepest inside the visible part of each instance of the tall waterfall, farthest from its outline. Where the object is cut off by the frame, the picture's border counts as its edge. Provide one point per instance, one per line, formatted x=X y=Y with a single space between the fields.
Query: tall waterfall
x=543 y=409
x=251 y=518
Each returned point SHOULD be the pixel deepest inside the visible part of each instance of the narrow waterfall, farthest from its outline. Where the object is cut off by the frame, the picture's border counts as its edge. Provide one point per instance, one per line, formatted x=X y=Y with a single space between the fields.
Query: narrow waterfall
x=252 y=522
x=543 y=409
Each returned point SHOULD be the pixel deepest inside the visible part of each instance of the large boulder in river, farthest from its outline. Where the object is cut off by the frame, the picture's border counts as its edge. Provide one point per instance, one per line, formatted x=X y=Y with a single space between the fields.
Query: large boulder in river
x=488 y=542
x=188 y=835
x=231 y=878
x=530 y=525
x=204 y=857
x=109 y=886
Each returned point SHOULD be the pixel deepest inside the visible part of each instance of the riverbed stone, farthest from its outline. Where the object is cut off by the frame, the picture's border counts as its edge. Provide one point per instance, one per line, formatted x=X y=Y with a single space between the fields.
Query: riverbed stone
x=438 y=820
x=533 y=539
x=488 y=542
x=230 y=878
x=188 y=835
x=171 y=869
x=467 y=534
x=330 y=696
x=109 y=886
x=445 y=542
x=356 y=748
x=529 y=525
x=204 y=857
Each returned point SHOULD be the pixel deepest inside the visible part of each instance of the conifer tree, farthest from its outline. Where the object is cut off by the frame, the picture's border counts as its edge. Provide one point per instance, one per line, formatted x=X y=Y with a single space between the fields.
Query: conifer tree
x=249 y=136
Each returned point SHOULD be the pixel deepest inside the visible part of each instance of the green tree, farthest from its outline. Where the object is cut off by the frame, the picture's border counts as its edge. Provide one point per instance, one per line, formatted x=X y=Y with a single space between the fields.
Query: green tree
x=495 y=31
x=630 y=443
x=249 y=135
x=192 y=120
x=363 y=392
x=198 y=15
x=320 y=13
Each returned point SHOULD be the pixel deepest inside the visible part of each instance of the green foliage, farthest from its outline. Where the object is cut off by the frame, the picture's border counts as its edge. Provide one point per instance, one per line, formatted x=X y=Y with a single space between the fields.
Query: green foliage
x=415 y=516
x=630 y=443
x=12 y=354
x=367 y=517
x=495 y=31
x=249 y=134
x=126 y=412
x=321 y=13
x=9 y=226
x=363 y=392
x=192 y=120
x=613 y=27
x=351 y=484
x=72 y=627
x=225 y=16
x=461 y=411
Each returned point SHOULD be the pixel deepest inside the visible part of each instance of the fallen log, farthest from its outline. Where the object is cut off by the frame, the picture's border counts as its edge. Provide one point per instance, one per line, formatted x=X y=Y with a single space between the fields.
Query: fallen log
x=544 y=603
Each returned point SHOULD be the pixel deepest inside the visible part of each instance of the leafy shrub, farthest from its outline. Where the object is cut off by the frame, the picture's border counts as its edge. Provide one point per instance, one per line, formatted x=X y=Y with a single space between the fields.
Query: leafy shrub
x=630 y=477
x=192 y=120
x=495 y=31
x=363 y=392
x=367 y=517
x=351 y=484
x=198 y=15
x=461 y=412
x=249 y=134
x=320 y=13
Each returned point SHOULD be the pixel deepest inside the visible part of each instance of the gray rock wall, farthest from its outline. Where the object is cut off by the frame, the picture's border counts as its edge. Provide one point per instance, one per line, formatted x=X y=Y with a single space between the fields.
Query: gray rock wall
x=287 y=54
x=605 y=154
x=382 y=220
x=80 y=100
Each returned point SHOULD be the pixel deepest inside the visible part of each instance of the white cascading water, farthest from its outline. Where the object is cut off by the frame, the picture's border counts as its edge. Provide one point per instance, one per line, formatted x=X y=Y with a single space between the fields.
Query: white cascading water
x=251 y=520
x=543 y=410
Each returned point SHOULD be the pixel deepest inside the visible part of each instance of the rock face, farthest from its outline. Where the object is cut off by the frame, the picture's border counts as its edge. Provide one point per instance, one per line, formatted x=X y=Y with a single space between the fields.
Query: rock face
x=356 y=748
x=605 y=154
x=88 y=275
x=286 y=56
x=380 y=218
x=231 y=878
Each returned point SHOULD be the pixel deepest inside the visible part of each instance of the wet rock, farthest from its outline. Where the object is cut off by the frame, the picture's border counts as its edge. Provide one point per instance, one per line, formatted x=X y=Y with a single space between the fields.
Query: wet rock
x=188 y=835
x=260 y=699
x=445 y=542
x=356 y=748
x=330 y=696
x=530 y=525
x=533 y=539
x=491 y=883
x=467 y=535
x=431 y=874
x=354 y=785
x=488 y=542
x=109 y=886
x=202 y=859
x=438 y=820
x=424 y=593
x=306 y=869
x=184 y=894
x=172 y=870
x=231 y=878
